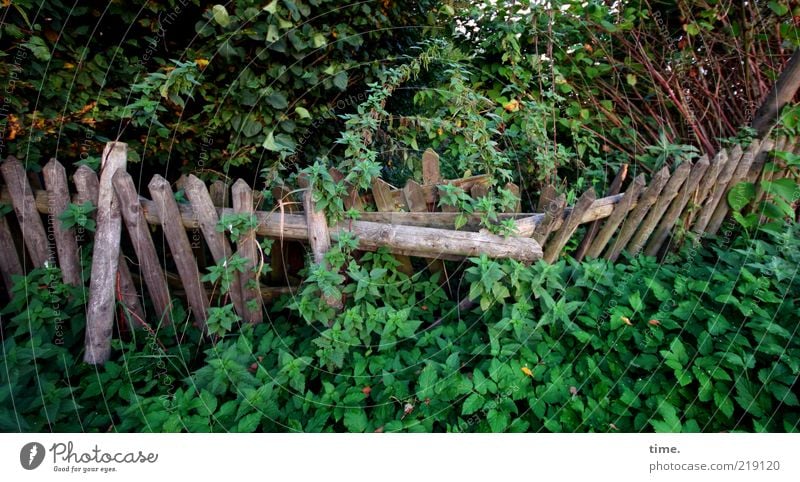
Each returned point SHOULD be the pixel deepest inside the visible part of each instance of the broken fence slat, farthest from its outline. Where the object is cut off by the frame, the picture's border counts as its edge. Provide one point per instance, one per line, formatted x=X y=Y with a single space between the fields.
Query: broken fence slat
x=553 y=213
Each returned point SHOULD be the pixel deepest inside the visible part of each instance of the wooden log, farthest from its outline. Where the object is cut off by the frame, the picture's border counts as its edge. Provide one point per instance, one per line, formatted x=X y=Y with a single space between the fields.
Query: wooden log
x=385 y=202
x=438 y=243
x=432 y=191
x=167 y=208
x=55 y=178
x=553 y=214
x=9 y=260
x=755 y=156
x=139 y=233
x=30 y=221
x=553 y=249
x=431 y=171
x=293 y=226
x=638 y=213
x=720 y=187
x=659 y=207
x=217 y=242
x=105 y=259
x=594 y=226
x=88 y=187
x=248 y=248
x=616 y=217
x=669 y=219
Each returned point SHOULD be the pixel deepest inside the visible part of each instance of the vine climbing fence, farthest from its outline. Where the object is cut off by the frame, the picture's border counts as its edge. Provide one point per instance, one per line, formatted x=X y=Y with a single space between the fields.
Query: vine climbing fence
x=128 y=267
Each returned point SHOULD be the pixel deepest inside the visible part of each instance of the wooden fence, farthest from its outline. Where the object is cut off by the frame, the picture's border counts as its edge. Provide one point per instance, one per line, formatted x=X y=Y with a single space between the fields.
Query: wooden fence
x=642 y=218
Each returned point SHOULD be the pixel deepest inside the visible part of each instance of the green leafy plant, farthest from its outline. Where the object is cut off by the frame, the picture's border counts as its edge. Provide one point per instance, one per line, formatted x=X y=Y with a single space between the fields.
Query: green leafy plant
x=78 y=215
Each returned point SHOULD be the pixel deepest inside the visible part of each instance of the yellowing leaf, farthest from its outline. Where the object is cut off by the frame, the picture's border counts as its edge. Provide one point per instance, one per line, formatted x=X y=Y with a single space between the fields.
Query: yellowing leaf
x=512 y=105
x=626 y=320
x=201 y=62
x=527 y=371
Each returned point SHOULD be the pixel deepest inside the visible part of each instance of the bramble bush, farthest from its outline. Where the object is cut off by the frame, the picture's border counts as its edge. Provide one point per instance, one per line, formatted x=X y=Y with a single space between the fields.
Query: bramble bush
x=705 y=342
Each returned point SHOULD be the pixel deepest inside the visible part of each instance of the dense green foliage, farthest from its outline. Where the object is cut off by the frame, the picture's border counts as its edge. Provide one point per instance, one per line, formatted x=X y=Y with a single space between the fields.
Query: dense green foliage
x=706 y=342
x=557 y=93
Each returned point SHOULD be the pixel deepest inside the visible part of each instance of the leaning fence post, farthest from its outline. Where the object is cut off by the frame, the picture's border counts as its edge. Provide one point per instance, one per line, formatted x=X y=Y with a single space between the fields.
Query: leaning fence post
x=55 y=178
x=25 y=206
x=105 y=259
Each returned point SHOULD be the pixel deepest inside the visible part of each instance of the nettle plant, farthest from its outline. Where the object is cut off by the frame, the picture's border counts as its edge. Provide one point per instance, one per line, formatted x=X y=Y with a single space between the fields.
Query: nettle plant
x=691 y=345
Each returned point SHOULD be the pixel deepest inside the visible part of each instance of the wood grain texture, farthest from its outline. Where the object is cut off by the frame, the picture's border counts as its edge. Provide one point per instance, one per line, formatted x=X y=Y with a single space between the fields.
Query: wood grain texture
x=659 y=207
x=247 y=247
x=30 y=221
x=105 y=259
x=678 y=205
x=139 y=233
x=88 y=186
x=617 y=216
x=719 y=187
x=638 y=213
x=553 y=214
x=704 y=188
x=567 y=229
x=754 y=157
x=431 y=171
x=164 y=203
x=385 y=202
x=594 y=227
x=9 y=259
x=55 y=179
x=217 y=242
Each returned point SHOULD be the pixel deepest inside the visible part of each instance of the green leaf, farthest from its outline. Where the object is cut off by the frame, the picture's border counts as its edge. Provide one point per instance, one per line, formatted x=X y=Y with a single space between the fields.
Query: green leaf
x=340 y=80
x=277 y=100
x=427 y=380
x=355 y=419
x=741 y=195
x=249 y=423
x=472 y=404
x=221 y=15
x=723 y=403
x=271 y=7
x=498 y=421
x=302 y=112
